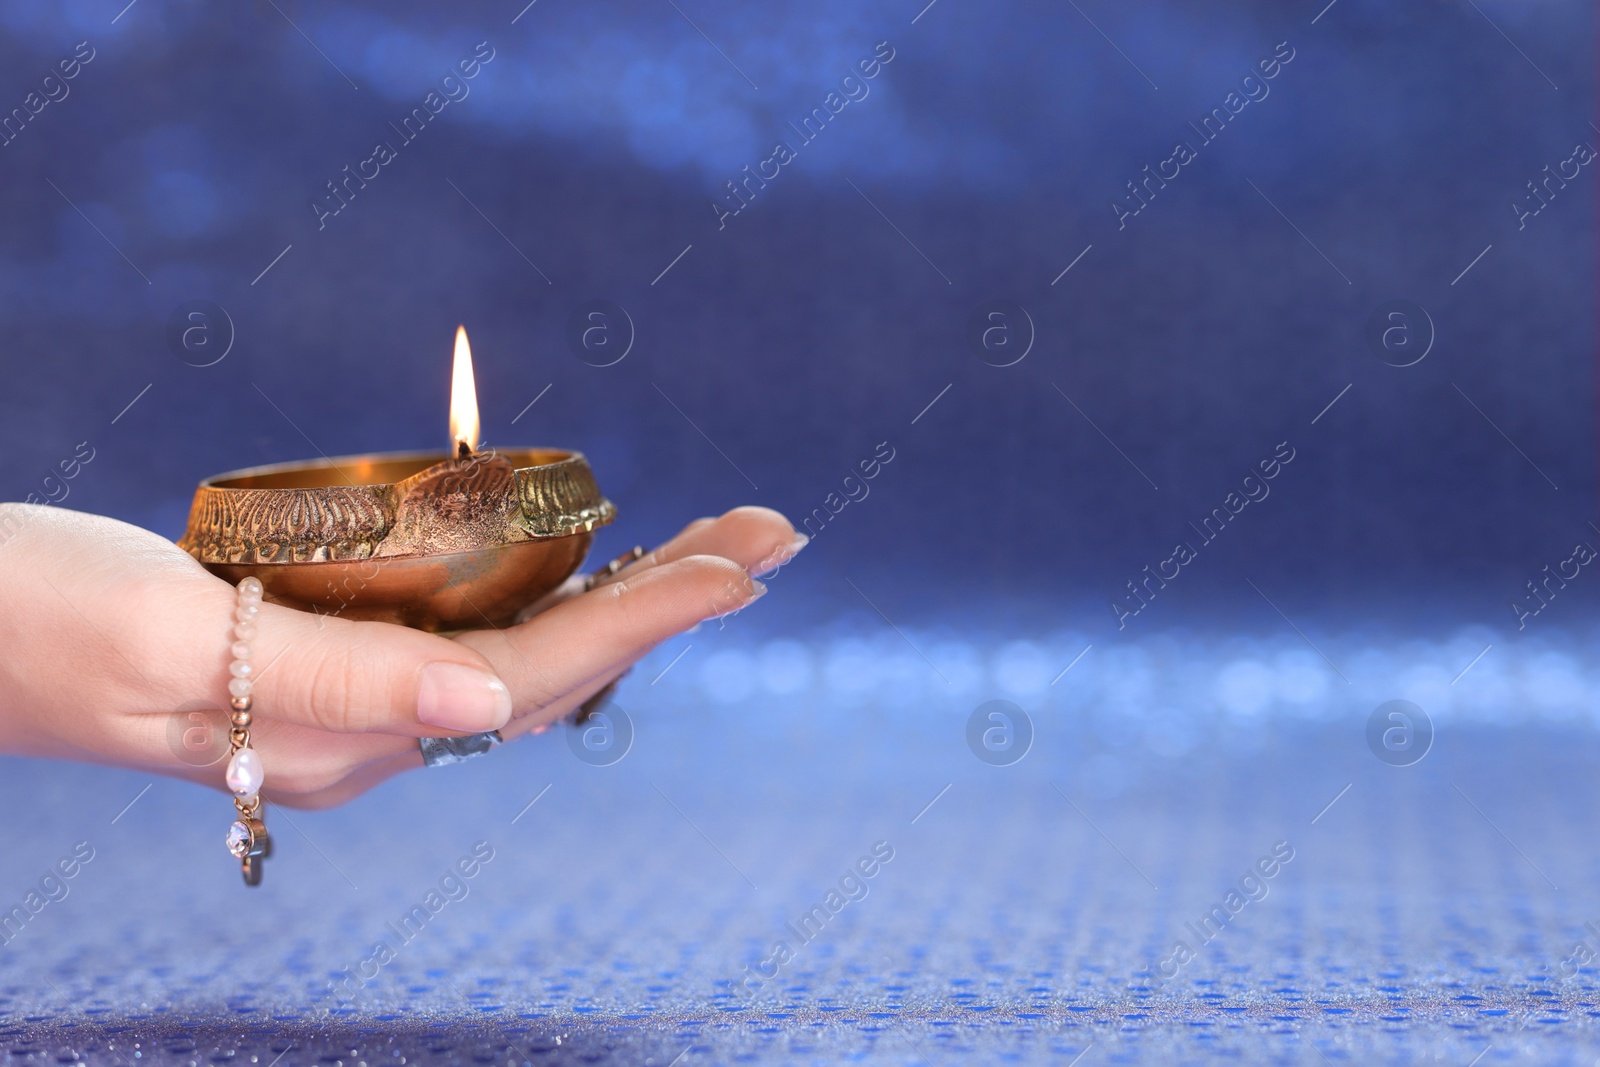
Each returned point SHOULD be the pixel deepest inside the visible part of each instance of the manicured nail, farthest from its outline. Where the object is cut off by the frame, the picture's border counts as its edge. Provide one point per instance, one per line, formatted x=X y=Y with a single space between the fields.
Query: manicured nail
x=757 y=591
x=782 y=555
x=459 y=697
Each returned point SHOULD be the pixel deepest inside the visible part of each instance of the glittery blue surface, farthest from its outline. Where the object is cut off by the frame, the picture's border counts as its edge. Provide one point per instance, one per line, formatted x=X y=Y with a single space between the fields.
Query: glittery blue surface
x=1029 y=913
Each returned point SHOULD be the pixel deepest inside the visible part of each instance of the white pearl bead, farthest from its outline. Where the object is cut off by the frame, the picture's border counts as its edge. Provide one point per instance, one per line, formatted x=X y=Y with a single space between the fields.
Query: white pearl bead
x=246 y=612
x=246 y=775
x=245 y=631
x=241 y=650
x=250 y=587
x=240 y=687
x=240 y=669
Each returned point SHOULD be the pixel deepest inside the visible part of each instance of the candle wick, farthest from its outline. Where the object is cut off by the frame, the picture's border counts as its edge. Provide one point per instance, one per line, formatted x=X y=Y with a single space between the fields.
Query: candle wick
x=463 y=450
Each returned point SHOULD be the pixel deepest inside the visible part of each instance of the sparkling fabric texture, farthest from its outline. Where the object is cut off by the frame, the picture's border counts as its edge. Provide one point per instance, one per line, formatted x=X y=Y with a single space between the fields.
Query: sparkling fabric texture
x=535 y=908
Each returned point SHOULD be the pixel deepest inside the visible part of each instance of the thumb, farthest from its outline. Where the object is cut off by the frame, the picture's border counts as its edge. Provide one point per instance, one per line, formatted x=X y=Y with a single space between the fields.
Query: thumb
x=369 y=677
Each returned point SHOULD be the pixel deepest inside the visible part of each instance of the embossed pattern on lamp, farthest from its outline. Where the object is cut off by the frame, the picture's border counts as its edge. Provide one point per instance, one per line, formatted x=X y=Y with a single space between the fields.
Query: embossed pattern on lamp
x=436 y=542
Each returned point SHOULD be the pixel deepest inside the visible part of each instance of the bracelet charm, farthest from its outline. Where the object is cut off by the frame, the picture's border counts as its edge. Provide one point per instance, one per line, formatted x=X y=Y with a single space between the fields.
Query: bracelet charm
x=247 y=838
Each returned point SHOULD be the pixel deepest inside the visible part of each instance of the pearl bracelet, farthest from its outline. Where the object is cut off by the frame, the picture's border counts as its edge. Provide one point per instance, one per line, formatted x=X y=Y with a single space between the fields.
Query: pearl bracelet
x=247 y=837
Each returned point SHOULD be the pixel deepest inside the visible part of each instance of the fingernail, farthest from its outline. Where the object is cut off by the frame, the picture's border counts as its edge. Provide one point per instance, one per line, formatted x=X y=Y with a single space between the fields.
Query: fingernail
x=459 y=697
x=757 y=591
x=782 y=555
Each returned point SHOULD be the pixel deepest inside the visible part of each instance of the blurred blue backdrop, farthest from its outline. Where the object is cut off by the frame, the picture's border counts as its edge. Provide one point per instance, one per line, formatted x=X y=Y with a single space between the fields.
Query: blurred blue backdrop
x=824 y=317
x=1155 y=347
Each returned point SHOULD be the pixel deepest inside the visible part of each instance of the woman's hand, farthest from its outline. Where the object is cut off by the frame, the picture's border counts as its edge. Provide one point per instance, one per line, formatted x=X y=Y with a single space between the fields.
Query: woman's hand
x=108 y=631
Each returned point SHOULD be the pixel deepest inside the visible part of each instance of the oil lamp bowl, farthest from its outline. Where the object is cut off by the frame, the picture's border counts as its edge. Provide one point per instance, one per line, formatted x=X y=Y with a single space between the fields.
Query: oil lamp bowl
x=421 y=539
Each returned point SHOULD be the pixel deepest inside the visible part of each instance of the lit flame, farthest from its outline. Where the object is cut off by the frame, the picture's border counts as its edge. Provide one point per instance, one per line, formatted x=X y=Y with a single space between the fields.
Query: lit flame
x=463 y=398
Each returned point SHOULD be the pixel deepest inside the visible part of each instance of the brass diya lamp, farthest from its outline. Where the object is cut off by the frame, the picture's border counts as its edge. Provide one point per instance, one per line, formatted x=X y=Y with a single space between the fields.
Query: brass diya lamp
x=428 y=540
x=437 y=542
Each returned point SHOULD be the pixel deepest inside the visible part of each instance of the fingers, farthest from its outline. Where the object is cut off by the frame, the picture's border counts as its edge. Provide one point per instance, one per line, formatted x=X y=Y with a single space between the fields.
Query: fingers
x=537 y=722
x=367 y=776
x=308 y=767
x=758 y=539
x=163 y=632
x=330 y=674
x=548 y=659
x=370 y=677
x=302 y=764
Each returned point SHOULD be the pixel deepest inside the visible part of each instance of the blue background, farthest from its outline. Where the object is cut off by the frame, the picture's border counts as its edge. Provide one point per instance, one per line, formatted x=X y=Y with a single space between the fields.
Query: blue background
x=773 y=354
